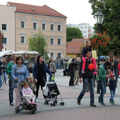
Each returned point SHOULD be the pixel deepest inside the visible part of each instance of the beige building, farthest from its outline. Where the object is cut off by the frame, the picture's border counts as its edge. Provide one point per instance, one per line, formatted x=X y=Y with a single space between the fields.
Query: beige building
x=30 y=19
x=7 y=26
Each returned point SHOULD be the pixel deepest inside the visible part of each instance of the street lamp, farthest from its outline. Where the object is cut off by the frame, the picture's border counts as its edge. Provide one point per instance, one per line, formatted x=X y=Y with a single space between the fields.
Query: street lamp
x=99 y=16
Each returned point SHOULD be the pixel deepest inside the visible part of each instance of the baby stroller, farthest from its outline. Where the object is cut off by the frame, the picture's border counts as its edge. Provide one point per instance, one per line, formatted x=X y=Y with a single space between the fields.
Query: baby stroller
x=50 y=91
x=25 y=105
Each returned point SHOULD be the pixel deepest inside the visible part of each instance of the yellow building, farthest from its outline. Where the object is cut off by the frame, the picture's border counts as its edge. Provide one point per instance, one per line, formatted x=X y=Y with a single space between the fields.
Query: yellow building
x=30 y=19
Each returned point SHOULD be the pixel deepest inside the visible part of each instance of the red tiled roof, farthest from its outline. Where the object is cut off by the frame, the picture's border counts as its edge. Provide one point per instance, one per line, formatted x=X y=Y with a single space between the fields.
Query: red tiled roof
x=74 y=46
x=32 y=9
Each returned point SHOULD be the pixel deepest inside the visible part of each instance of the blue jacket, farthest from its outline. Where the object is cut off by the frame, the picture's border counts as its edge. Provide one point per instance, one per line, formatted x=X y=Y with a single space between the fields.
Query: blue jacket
x=19 y=72
x=35 y=71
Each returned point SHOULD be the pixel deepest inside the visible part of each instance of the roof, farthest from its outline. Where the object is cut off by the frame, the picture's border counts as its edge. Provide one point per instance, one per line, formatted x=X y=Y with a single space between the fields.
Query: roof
x=74 y=46
x=32 y=9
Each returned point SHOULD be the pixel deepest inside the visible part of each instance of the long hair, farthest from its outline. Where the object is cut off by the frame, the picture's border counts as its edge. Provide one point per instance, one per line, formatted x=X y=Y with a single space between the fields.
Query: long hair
x=18 y=58
x=39 y=58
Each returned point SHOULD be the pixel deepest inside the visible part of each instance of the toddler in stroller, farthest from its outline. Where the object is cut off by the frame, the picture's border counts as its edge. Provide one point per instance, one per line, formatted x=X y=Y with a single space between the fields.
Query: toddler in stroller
x=27 y=98
x=51 y=92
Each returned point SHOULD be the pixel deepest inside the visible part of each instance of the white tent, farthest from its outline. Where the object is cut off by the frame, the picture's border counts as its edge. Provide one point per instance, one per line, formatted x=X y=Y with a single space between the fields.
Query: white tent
x=6 y=52
x=26 y=52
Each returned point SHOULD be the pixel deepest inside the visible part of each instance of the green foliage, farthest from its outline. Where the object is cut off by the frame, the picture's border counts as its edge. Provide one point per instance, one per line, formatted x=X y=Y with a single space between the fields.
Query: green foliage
x=73 y=33
x=39 y=44
x=111 y=23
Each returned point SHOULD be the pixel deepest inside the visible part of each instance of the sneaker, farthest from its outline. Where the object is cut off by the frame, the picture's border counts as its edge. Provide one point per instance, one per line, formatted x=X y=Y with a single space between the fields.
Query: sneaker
x=37 y=100
x=11 y=104
x=92 y=105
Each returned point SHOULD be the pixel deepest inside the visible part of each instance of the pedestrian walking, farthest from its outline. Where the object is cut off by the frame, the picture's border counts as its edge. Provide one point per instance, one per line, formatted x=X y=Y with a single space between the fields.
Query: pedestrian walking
x=112 y=86
x=4 y=74
x=19 y=74
x=102 y=81
x=72 y=71
x=88 y=77
x=39 y=74
x=8 y=71
x=52 y=66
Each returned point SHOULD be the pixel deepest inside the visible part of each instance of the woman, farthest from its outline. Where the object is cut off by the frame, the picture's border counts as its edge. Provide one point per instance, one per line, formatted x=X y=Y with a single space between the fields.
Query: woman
x=39 y=73
x=19 y=74
x=52 y=66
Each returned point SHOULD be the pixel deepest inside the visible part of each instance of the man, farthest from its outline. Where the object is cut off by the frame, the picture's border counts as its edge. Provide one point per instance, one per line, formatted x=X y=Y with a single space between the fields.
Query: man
x=116 y=71
x=8 y=71
x=88 y=77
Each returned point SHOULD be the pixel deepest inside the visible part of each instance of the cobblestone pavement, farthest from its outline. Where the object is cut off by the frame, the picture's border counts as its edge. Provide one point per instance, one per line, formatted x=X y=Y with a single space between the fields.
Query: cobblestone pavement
x=69 y=111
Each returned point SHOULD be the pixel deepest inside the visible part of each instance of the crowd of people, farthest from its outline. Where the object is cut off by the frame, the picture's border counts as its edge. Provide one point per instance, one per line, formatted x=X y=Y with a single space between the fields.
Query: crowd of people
x=100 y=73
x=91 y=72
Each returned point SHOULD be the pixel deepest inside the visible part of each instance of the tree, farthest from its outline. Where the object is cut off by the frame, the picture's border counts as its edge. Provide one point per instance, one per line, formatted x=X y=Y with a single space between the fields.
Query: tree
x=73 y=33
x=38 y=43
x=111 y=23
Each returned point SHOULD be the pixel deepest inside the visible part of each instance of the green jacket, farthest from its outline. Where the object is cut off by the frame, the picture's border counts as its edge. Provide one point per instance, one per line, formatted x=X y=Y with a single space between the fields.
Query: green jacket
x=9 y=69
x=102 y=73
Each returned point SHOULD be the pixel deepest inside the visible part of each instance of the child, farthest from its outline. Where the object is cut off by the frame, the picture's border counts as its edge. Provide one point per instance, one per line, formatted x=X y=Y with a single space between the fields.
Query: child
x=32 y=84
x=28 y=93
x=112 y=87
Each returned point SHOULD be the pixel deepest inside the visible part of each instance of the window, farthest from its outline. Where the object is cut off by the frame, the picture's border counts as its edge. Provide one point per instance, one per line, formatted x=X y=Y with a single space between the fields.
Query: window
x=4 y=40
x=52 y=27
x=34 y=25
x=22 y=24
x=43 y=26
x=59 y=27
x=51 y=55
x=52 y=41
x=22 y=39
x=59 y=55
x=59 y=41
x=4 y=26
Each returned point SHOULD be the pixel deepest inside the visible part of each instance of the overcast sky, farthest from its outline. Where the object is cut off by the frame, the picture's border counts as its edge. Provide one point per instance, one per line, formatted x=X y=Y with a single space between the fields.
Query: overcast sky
x=77 y=11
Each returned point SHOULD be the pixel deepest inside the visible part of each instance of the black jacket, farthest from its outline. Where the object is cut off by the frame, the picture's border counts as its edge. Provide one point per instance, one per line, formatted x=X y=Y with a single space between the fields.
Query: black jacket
x=88 y=73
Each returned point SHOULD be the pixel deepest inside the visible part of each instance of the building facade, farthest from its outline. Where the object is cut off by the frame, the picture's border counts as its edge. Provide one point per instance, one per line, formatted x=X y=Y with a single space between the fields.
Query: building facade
x=30 y=20
x=7 y=26
x=85 y=28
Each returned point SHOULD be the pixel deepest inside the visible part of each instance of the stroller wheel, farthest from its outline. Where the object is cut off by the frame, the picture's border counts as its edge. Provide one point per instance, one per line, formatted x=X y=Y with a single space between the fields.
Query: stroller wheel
x=33 y=111
x=62 y=103
x=46 y=102
x=16 y=110
x=53 y=104
x=55 y=101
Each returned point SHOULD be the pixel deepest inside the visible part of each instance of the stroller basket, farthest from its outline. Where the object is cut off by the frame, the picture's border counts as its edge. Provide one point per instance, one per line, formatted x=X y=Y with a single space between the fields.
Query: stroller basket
x=53 y=87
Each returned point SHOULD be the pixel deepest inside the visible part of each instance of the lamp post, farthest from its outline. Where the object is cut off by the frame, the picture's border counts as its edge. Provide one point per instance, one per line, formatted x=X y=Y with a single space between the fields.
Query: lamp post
x=99 y=16
x=1 y=37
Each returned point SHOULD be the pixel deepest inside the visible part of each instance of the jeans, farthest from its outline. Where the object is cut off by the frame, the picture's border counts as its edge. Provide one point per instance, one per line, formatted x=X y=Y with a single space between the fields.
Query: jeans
x=102 y=85
x=85 y=87
x=112 y=93
x=4 y=75
x=11 y=91
x=1 y=81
